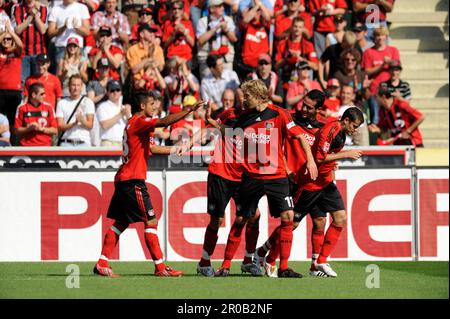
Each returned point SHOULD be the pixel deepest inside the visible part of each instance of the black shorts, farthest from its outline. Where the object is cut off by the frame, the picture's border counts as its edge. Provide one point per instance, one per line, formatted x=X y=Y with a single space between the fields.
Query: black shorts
x=131 y=202
x=318 y=203
x=276 y=190
x=220 y=191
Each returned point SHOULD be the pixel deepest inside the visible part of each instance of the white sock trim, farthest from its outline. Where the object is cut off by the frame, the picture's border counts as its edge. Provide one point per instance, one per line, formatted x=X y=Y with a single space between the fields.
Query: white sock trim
x=116 y=230
x=151 y=231
x=104 y=257
x=157 y=262
x=205 y=255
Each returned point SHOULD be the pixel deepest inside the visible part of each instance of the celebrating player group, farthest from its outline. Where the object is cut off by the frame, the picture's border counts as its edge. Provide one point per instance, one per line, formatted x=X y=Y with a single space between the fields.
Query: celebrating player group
x=262 y=150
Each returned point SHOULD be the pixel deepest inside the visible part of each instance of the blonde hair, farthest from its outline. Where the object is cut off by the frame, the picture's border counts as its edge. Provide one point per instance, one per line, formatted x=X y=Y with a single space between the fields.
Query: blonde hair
x=257 y=89
x=349 y=38
x=381 y=31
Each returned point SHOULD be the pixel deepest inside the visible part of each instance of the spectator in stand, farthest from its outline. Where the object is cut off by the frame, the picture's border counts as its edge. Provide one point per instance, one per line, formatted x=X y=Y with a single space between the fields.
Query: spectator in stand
x=399 y=88
x=131 y=9
x=4 y=17
x=145 y=16
x=364 y=11
x=180 y=82
x=112 y=116
x=295 y=49
x=72 y=63
x=182 y=130
x=360 y=30
x=247 y=5
x=376 y=62
x=338 y=34
x=299 y=88
x=161 y=134
x=228 y=102
x=285 y=17
x=330 y=61
x=178 y=34
x=152 y=79
x=215 y=34
x=105 y=49
x=116 y=21
x=144 y=56
x=214 y=84
x=77 y=131
x=196 y=9
x=67 y=20
x=35 y=122
x=399 y=118
x=324 y=12
x=163 y=10
x=332 y=102
x=351 y=75
x=4 y=131
x=29 y=19
x=255 y=28
x=264 y=73
x=10 y=72
x=52 y=84
x=92 y=5
x=96 y=89
x=361 y=137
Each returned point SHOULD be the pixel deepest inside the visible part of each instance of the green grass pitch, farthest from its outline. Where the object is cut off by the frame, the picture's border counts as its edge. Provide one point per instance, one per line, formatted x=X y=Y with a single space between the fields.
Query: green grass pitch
x=396 y=280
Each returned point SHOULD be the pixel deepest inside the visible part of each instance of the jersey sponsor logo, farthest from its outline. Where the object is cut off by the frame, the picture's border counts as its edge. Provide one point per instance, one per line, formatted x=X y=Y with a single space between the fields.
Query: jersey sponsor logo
x=257 y=138
x=326 y=147
x=309 y=138
x=42 y=121
x=290 y=125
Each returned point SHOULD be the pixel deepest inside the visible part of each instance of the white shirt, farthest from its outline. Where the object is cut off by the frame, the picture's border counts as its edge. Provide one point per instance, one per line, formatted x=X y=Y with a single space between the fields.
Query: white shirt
x=65 y=107
x=212 y=88
x=105 y=111
x=59 y=15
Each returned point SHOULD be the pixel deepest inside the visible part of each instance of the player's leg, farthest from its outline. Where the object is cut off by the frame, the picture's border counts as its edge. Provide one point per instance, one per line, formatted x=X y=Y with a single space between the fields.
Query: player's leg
x=331 y=200
x=251 y=238
x=317 y=236
x=218 y=198
x=234 y=239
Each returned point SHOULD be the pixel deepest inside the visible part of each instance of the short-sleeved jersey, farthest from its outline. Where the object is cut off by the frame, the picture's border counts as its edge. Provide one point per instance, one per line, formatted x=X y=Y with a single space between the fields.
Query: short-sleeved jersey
x=324 y=23
x=399 y=118
x=43 y=114
x=264 y=136
x=226 y=160
x=295 y=156
x=330 y=139
x=136 y=148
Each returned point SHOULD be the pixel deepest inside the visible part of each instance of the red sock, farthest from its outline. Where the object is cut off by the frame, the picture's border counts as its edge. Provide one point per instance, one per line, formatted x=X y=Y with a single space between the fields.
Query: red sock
x=274 y=242
x=209 y=244
x=331 y=238
x=110 y=241
x=317 y=238
x=234 y=239
x=251 y=238
x=152 y=241
x=285 y=245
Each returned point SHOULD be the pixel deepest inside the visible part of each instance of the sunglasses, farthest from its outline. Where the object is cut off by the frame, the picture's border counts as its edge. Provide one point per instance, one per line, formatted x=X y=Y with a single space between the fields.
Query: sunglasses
x=102 y=35
x=350 y=60
x=115 y=90
x=145 y=14
x=177 y=9
x=263 y=63
x=7 y=39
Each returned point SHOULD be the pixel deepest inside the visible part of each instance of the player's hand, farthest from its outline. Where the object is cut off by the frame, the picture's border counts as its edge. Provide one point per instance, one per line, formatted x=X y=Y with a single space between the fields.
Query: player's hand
x=354 y=154
x=405 y=135
x=311 y=168
x=198 y=105
x=373 y=128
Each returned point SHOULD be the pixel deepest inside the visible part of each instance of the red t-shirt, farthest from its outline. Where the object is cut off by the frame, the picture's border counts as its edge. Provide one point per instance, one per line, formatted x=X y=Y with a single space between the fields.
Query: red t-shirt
x=264 y=135
x=304 y=47
x=298 y=88
x=136 y=148
x=399 y=118
x=330 y=139
x=362 y=16
x=178 y=46
x=43 y=114
x=256 y=42
x=283 y=23
x=295 y=156
x=332 y=104
x=114 y=73
x=373 y=57
x=52 y=87
x=325 y=23
x=10 y=71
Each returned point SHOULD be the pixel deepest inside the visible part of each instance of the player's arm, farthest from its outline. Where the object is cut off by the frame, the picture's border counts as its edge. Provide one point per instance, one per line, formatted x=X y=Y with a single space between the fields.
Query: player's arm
x=167 y=150
x=172 y=118
x=351 y=154
x=310 y=162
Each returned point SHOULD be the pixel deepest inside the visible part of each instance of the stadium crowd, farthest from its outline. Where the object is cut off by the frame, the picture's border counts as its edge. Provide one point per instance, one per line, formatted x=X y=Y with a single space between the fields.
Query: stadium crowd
x=75 y=67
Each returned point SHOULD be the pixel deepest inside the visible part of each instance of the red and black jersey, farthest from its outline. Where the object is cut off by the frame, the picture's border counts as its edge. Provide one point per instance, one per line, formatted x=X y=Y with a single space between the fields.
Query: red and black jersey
x=43 y=114
x=226 y=160
x=264 y=135
x=136 y=148
x=330 y=139
x=33 y=41
x=295 y=156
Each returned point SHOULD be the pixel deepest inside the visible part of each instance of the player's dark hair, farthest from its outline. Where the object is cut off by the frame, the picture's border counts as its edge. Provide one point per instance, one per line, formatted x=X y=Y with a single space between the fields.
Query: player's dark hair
x=138 y=100
x=353 y=114
x=317 y=96
x=211 y=60
x=385 y=90
x=35 y=87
